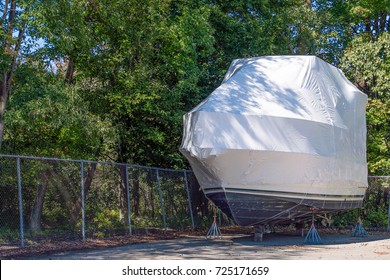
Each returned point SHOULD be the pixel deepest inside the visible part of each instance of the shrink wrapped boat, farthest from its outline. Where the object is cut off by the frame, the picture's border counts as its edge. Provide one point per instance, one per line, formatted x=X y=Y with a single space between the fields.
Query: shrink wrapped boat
x=280 y=136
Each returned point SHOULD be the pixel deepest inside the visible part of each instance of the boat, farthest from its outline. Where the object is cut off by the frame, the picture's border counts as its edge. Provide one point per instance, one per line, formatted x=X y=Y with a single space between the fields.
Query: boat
x=281 y=138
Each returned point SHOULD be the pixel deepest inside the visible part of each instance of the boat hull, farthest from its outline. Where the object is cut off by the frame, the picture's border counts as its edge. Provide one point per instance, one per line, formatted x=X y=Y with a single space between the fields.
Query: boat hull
x=249 y=209
x=244 y=185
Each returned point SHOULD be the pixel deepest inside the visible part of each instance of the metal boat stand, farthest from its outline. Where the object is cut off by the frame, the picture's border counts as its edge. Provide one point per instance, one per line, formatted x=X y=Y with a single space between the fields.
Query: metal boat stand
x=313 y=236
x=214 y=231
x=359 y=230
x=258 y=233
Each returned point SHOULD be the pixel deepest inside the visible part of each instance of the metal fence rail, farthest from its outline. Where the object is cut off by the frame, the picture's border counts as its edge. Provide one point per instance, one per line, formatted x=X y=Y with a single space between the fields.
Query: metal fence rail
x=51 y=199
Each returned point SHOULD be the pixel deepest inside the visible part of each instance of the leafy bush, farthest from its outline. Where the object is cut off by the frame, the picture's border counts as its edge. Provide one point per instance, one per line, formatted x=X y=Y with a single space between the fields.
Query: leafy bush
x=7 y=234
x=346 y=219
x=376 y=218
x=105 y=223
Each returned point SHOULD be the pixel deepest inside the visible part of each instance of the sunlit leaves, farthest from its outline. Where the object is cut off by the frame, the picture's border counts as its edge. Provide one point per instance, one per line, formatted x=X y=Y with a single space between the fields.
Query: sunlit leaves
x=378 y=136
x=46 y=118
x=367 y=63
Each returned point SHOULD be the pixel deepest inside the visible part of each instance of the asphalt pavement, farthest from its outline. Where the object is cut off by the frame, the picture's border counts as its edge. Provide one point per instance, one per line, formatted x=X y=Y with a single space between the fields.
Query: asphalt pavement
x=242 y=247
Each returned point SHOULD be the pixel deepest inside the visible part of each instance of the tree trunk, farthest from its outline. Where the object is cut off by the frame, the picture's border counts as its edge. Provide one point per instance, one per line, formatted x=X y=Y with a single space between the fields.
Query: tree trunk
x=3 y=102
x=87 y=184
x=36 y=213
x=5 y=11
x=61 y=184
x=69 y=72
x=7 y=75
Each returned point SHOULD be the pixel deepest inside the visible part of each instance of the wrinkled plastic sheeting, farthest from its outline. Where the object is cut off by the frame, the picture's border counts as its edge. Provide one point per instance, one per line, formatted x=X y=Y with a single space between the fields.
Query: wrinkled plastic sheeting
x=285 y=123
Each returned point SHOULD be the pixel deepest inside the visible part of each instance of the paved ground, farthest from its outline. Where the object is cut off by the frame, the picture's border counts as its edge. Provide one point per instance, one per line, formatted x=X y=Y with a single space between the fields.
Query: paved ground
x=274 y=246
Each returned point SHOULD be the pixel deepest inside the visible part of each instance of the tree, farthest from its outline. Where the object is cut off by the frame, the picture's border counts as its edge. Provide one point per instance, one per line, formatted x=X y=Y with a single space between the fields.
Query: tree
x=11 y=23
x=148 y=60
x=378 y=136
x=366 y=62
x=49 y=118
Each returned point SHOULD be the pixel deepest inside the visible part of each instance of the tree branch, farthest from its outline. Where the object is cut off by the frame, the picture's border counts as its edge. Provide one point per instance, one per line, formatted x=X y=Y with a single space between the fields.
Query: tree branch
x=15 y=54
x=5 y=10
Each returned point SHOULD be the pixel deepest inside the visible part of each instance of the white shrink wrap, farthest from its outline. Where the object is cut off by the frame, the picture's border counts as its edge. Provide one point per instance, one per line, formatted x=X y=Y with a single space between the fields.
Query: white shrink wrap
x=281 y=136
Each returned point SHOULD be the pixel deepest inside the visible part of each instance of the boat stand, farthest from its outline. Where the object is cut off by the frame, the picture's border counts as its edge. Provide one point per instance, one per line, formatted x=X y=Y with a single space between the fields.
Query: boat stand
x=313 y=236
x=359 y=230
x=214 y=231
x=258 y=233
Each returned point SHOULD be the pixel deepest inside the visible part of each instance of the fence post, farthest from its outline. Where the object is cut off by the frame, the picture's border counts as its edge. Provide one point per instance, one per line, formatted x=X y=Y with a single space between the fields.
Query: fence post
x=128 y=198
x=82 y=201
x=20 y=195
x=189 y=200
x=161 y=200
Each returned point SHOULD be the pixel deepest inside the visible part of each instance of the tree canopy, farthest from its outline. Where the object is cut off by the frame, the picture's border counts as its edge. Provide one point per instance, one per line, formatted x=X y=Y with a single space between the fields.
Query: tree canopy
x=101 y=79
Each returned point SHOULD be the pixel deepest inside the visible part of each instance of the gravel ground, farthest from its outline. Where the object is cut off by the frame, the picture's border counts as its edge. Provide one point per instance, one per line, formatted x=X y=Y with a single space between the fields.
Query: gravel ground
x=241 y=247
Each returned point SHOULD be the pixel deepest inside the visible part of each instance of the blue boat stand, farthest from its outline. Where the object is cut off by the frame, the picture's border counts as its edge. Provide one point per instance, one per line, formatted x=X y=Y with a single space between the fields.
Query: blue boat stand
x=359 y=230
x=214 y=231
x=313 y=236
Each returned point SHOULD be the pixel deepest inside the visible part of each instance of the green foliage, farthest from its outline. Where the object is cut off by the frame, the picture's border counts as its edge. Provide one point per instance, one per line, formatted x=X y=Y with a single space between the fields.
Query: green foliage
x=367 y=63
x=374 y=213
x=8 y=234
x=376 y=218
x=47 y=118
x=105 y=223
x=378 y=135
x=347 y=219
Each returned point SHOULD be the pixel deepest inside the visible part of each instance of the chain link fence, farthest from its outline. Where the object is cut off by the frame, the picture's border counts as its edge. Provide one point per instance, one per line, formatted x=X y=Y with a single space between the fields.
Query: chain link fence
x=46 y=199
